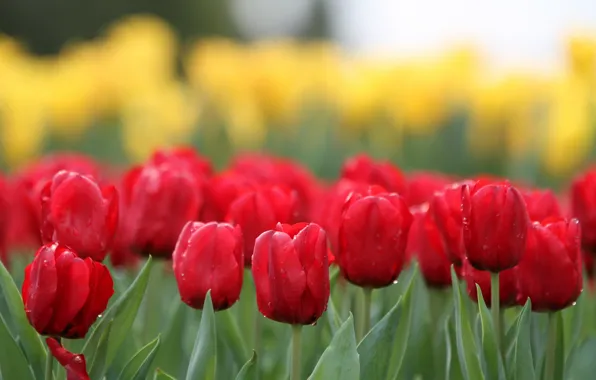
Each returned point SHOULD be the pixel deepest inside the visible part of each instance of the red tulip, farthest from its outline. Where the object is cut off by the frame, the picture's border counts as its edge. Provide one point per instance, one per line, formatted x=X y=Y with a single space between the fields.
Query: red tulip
x=550 y=273
x=291 y=274
x=372 y=239
x=542 y=204
x=258 y=211
x=63 y=293
x=294 y=229
x=221 y=191
x=495 y=223
x=445 y=209
x=583 y=205
x=209 y=257
x=74 y=364
x=362 y=168
x=507 y=285
x=160 y=200
x=426 y=243
x=4 y=221
x=183 y=156
x=588 y=260
x=77 y=213
x=423 y=185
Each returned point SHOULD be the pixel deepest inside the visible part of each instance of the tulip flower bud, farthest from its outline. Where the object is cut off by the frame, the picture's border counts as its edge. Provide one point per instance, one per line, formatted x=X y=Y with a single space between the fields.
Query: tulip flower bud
x=209 y=257
x=426 y=243
x=77 y=213
x=583 y=206
x=260 y=210
x=291 y=274
x=495 y=223
x=507 y=285
x=362 y=168
x=221 y=191
x=423 y=185
x=542 y=204
x=550 y=273
x=64 y=294
x=74 y=364
x=372 y=239
x=160 y=199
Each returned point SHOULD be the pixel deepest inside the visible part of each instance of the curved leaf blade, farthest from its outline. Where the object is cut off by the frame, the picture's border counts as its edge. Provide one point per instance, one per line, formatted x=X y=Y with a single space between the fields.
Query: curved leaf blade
x=13 y=363
x=249 y=369
x=138 y=366
x=490 y=348
x=203 y=360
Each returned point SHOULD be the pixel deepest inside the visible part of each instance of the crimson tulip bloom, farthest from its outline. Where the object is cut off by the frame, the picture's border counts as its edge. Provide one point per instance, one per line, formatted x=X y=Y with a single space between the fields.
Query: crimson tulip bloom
x=183 y=156
x=372 y=239
x=362 y=168
x=507 y=285
x=74 y=364
x=550 y=273
x=258 y=211
x=4 y=222
x=495 y=223
x=78 y=213
x=160 y=199
x=221 y=191
x=423 y=185
x=542 y=204
x=426 y=243
x=291 y=274
x=63 y=293
x=583 y=206
x=209 y=257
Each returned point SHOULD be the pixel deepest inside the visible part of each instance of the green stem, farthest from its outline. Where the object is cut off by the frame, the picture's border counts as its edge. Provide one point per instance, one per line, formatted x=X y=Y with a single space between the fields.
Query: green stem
x=49 y=367
x=345 y=297
x=257 y=341
x=367 y=292
x=296 y=351
x=494 y=306
x=551 y=348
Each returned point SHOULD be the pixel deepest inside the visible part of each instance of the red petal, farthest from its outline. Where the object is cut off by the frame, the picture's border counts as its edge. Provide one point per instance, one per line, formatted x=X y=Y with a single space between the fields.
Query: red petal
x=74 y=364
x=42 y=288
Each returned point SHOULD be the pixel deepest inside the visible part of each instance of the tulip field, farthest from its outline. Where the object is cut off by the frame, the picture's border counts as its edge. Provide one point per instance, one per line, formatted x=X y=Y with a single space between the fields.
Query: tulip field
x=172 y=270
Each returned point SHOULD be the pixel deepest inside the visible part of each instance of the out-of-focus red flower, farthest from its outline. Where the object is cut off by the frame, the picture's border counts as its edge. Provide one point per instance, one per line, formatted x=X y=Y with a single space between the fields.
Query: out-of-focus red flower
x=507 y=285
x=291 y=274
x=209 y=257
x=583 y=206
x=362 y=168
x=64 y=294
x=77 y=213
x=495 y=223
x=4 y=221
x=221 y=191
x=275 y=171
x=426 y=244
x=260 y=210
x=588 y=260
x=372 y=238
x=550 y=273
x=160 y=199
x=542 y=204
x=183 y=156
x=423 y=185
x=74 y=364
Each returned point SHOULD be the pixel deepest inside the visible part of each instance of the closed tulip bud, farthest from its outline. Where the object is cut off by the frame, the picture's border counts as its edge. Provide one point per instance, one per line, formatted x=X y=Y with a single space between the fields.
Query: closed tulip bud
x=74 y=364
x=76 y=212
x=63 y=293
x=426 y=244
x=445 y=209
x=583 y=206
x=550 y=273
x=422 y=186
x=160 y=200
x=542 y=204
x=372 y=239
x=507 y=285
x=260 y=210
x=221 y=191
x=362 y=168
x=291 y=274
x=495 y=223
x=209 y=257
x=293 y=229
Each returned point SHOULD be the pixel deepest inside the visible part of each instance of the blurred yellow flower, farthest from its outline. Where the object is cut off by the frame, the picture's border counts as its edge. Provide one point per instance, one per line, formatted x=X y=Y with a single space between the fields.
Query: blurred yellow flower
x=582 y=55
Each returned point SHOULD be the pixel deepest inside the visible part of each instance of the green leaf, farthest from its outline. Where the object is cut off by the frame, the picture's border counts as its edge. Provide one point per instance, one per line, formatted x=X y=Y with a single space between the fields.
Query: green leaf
x=13 y=363
x=98 y=365
x=161 y=375
x=123 y=312
x=138 y=366
x=521 y=364
x=492 y=356
x=340 y=360
x=228 y=327
x=467 y=351
x=249 y=369
x=28 y=338
x=333 y=318
x=582 y=364
x=170 y=351
x=203 y=359
x=382 y=349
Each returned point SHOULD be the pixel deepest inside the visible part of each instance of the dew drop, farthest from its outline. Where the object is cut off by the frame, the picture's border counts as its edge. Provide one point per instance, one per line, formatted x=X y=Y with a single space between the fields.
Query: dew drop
x=395 y=282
